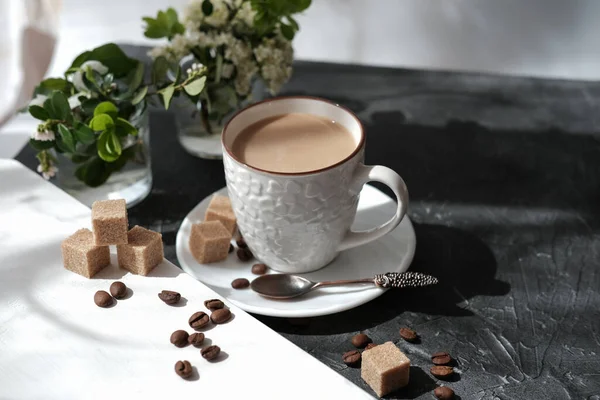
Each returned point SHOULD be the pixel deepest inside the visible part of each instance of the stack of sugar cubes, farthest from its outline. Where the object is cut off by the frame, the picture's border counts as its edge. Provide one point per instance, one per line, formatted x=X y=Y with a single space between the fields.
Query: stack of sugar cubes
x=86 y=253
x=210 y=240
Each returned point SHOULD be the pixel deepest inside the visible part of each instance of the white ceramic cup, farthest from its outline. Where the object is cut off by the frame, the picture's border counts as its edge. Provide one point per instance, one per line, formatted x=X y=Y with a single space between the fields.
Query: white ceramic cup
x=299 y=222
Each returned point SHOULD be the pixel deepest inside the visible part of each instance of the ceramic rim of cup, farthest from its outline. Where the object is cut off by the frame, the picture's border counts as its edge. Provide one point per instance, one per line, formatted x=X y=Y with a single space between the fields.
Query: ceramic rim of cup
x=359 y=146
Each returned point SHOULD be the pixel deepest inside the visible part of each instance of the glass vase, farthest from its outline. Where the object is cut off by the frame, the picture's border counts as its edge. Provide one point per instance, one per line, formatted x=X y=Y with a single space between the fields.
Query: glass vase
x=199 y=130
x=132 y=182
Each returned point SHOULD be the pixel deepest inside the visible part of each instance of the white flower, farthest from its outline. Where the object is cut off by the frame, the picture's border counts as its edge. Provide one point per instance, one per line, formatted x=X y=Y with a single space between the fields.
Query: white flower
x=220 y=14
x=49 y=173
x=192 y=14
x=158 y=52
x=78 y=76
x=246 y=14
x=275 y=58
x=74 y=100
x=243 y=79
x=43 y=135
x=38 y=100
x=237 y=51
x=179 y=46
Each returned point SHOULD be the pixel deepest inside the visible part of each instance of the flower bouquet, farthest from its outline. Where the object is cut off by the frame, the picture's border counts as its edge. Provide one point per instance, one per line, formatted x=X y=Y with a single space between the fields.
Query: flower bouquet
x=235 y=43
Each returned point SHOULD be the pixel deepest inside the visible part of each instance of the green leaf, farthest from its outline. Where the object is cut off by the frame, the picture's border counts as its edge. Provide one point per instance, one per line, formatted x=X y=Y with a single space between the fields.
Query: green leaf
x=294 y=6
x=160 y=66
x=154 y=30
x=166 y=24
x=207 y=7
x=94 y=172
x=49 y=107
x=171 y=17
x=39 y=113
x=106 y=107
x=124 y=127
x=111 y=56
x=136 y=76
x=93 y=76
x=101 y=122
x=195 y=87
x=114 y=144
x=293 y=23
x=139 y=95
x=83 y=133
x=60 y=105
x=67 y=138
x=40 y=145
x=287 y=31
x=218 y=68
x=167 y=95
x=109 y=146
x=80 y=59
x=178 y=74
x=48 y=85
x=89 y=105
x=61 y=147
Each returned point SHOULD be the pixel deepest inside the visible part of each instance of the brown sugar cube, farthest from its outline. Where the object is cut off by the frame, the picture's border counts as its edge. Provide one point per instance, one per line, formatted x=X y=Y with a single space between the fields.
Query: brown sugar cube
x=385 y=368
x=82 y=256
x=109 y=222
x=209 y=242
x=219 y=209
x=143 y=251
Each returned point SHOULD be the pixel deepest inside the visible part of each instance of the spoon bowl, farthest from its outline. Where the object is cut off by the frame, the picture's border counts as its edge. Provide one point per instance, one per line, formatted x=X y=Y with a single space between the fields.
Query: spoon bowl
x=282 y=286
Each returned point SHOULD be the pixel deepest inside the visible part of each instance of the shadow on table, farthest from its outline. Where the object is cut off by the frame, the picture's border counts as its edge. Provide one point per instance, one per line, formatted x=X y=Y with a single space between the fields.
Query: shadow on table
x=464 y=265
x=419 y=384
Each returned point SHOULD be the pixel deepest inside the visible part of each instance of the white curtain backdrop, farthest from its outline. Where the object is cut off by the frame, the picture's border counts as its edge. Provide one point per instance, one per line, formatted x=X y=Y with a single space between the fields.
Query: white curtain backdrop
x=27 y=40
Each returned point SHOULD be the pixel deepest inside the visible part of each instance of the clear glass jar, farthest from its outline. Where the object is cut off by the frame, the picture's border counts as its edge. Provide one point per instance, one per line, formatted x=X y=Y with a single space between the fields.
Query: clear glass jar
x=198 y=132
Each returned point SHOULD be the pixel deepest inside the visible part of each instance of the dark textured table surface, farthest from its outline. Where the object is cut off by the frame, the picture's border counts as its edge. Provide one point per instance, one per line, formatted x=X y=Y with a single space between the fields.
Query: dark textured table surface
x=504 y=179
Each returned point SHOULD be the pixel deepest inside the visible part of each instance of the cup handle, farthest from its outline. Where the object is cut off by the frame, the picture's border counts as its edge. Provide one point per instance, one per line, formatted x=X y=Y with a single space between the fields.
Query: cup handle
x=387 y=176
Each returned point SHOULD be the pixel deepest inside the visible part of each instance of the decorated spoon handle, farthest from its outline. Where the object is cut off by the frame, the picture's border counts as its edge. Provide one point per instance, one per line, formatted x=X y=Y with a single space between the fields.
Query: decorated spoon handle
x=404 y=279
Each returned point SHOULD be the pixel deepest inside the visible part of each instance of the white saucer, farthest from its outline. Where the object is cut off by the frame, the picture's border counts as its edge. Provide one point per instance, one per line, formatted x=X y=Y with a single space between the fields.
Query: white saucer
x=392 y=253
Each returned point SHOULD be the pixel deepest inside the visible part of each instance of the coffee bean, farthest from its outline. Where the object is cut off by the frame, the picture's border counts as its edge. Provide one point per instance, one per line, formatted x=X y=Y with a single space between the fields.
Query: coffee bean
x=442 y=372
x=196 y=339
x=210 y=352
x=408 y=334
x=444 y=393
x=198 y=320
x=351 y=358
x=240 y=283
x=244 y=254
x=118 y=290
x=183 y=369
x=231 y=248
x=441 y=358
x=220 y=316
x=103 y=299
x=169 y=297
x=370 y=346
x=241 y=243
x=179 y=338
x=213 y=304
x=259 y=269
x=361 y=340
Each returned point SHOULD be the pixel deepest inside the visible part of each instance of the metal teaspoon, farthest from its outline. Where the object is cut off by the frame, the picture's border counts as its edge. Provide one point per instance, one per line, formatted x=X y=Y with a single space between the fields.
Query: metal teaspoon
x=286 y=286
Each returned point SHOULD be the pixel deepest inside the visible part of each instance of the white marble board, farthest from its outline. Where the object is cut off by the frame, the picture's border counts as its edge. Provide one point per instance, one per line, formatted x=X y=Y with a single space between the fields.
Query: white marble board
x=55 y=343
